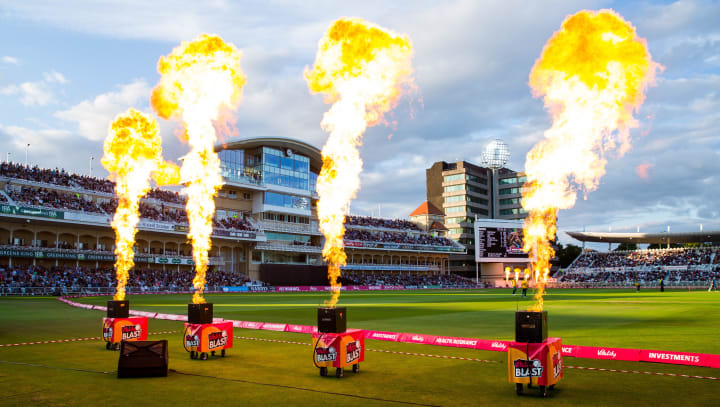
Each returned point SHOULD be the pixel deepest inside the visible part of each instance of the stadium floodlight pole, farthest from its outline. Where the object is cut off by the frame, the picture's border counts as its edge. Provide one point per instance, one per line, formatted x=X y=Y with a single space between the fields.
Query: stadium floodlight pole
x=7 y=157
x=495 y=156
x=91 y=163
x=26 y=153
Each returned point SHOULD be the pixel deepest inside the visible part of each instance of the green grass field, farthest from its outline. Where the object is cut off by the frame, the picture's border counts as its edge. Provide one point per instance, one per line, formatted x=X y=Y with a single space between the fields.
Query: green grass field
x=273 y=373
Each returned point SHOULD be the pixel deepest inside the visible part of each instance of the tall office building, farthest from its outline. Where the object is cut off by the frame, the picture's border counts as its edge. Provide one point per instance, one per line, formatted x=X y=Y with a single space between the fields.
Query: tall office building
x=463 y=191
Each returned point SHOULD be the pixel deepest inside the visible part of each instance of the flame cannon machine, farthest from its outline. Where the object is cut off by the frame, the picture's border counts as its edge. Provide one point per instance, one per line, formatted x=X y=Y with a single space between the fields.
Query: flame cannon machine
x=534 y=356
x=202 y=336
x=335 y=345
x=118 y=326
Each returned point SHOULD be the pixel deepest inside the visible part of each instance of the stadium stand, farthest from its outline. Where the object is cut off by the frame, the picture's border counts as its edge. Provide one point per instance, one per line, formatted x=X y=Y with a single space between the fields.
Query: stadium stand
x=46 y=198
x=80 y=182
x=675 y=265
x=30 y=279
x=396 y=237
x=81 y=201
x=656 y=257
x=407 y=279
x=373 y=222
x=54 y=218
x=25 y=279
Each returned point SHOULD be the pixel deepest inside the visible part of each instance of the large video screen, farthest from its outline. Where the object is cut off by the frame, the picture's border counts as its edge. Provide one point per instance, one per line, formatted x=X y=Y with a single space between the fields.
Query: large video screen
x=497 y=241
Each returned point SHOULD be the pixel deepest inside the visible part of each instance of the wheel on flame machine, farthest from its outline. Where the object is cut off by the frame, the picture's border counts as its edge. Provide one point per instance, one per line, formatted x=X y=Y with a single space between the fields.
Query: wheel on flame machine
x=356 y=367
x=222 y=353
x=193 y=354
x=543 y=391
x=323 y=371
x=116 y=346
x=204 y=356
x=551 y=387
x=339 y=372
x=213 y=353
x=518 y=388
x=107 y=345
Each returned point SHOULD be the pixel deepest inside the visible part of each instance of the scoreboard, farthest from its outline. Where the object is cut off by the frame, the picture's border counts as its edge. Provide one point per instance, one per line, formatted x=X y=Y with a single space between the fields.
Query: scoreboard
x=499 y=241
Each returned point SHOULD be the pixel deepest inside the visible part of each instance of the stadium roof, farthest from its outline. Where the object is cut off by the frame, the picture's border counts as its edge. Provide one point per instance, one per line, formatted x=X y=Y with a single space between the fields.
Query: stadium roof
x=295 y=145
x=426 y=208
x=681 y=237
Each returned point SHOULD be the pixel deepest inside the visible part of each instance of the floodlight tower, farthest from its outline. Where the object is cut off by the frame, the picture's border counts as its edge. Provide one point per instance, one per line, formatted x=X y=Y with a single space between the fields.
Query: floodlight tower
x=495 y=156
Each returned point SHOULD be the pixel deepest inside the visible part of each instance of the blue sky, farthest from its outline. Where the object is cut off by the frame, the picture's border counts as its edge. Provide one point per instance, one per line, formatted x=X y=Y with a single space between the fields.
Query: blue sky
x=67 y=68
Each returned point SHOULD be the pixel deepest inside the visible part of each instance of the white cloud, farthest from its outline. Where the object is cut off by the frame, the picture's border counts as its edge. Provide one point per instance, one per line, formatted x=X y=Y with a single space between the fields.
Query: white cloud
x=31 y=93
x=94 y=116
x=41 y=140
x=10 y=60
x=39 y=93
x=54 y=77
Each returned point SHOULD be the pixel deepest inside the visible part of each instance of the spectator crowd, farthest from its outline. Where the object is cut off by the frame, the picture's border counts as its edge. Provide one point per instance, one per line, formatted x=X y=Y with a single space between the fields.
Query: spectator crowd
x=656 y=257
x=647 y=276
x=395 y=237
x=49 y=198
x=63 y=178
x=78 y=278
x=380 y=223
x=405 y=279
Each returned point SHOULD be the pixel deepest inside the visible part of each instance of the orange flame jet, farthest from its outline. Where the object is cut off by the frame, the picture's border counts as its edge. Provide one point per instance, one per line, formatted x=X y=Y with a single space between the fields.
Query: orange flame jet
x=361 y=68
x=198 y=80
x=132 y=152
x=592 y=75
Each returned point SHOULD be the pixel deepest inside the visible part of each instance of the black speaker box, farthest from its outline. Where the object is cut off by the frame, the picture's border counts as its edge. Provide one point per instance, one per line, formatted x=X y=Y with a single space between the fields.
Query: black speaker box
x=143 y=359
x=200 y=313
x=332 y=319
x=118 y=309
x=530 y=326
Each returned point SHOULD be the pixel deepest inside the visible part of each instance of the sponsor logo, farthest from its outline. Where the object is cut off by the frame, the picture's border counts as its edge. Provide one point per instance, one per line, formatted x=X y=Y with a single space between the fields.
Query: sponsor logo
x=288 y=288
x=417 y=338
x=456 y=341
x=498 y=345
x=557 y=364
x=674 y=357
x=606 y=353
x=527 y=368
x=107 y=332
x=325 y=354
x=353 y=350
x=217 y=340
x=130 y=332
x=380 y=335
x=567 y=349
x=259 y=288
x=192 y=341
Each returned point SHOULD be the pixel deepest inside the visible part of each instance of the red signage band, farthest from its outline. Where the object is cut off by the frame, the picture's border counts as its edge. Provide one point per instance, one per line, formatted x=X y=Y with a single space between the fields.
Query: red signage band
x=585 y=352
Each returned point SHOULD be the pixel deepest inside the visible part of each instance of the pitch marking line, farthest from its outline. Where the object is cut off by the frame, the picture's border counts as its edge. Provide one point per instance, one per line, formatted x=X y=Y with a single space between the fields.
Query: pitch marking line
x=492 y=361
x=74 y=339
